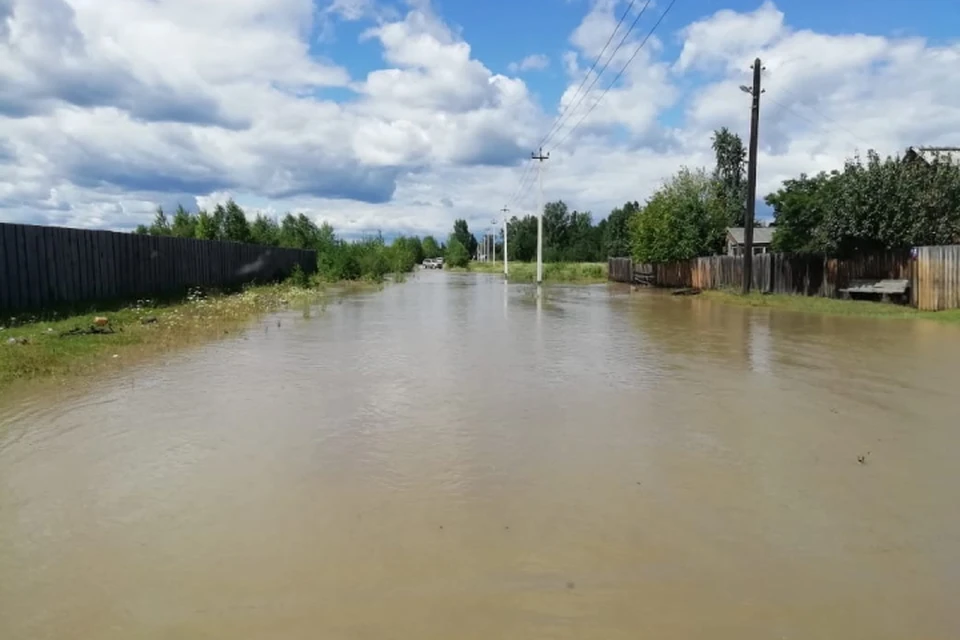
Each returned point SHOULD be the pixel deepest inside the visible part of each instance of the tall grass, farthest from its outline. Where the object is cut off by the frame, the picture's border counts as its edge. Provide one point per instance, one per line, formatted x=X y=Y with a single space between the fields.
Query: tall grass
x=830 y=306
x=34 y=348
x=558 y=272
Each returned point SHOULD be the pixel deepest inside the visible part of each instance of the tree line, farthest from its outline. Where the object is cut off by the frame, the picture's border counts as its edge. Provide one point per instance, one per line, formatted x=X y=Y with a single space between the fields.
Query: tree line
x=337 y=259
x=870 y=205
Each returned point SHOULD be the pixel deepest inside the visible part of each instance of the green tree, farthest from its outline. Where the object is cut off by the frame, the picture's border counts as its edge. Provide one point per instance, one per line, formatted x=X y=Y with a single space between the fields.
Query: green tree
x=462 y=233
x=869 y=206
x=265 y=231
x=298 y=232
x=583 y=241
x=730 y=175
x=206 y=226
x=184 y=223
x=142 y=230
x=799 y=209
x=160 y=226
x=522 y=238
x=236 y=228
x=616 y=236
x=682 y=220
x=556 y=224
x=430 y=248
x=457 y=255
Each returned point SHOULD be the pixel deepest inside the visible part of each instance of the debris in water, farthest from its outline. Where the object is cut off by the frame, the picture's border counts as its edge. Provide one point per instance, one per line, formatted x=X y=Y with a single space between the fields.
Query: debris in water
x=116 y=355
x=863 y=459
x=690 y=291
x=571 y=585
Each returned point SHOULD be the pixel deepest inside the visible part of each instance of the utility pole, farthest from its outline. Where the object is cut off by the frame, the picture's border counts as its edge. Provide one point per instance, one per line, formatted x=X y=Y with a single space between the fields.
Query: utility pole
x=755 y=92
x=506 y=267
x=540 y=158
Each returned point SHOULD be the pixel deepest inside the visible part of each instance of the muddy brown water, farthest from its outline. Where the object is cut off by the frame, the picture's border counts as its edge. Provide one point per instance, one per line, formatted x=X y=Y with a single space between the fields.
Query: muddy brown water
x=448 y=458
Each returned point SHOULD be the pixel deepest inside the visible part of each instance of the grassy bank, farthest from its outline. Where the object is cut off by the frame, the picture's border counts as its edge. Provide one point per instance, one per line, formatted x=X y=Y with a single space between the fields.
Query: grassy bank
x=74 y=345
x=557 y=272
x=830 y=306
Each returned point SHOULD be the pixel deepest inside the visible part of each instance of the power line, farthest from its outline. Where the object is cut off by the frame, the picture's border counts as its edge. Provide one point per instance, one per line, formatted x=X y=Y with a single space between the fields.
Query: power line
x=818 y=112
x=587 y=74
x=574 y=103
x=620 y=73
x=596 y=78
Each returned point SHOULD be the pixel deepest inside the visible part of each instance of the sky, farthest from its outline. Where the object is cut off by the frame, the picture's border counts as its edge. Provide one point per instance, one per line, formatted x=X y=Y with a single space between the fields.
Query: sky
x=403 y=115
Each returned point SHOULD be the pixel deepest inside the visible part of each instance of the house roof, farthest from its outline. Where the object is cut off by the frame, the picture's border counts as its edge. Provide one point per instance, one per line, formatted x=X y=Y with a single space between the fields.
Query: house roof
x=927 y=154
x=761 y=235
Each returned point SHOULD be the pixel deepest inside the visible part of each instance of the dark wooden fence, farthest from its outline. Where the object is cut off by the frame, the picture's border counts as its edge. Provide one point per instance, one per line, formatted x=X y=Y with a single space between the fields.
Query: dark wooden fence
x=934 y=273
x=43 y=267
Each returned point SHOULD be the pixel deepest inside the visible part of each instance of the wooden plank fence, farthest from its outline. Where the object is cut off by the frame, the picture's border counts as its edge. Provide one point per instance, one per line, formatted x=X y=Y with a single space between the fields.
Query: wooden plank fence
x=934 y=273
x=43 y=267
x=936 y=278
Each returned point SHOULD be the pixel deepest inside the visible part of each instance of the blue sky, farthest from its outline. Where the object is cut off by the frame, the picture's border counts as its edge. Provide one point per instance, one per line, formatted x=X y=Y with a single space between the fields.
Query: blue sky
x=401 y=115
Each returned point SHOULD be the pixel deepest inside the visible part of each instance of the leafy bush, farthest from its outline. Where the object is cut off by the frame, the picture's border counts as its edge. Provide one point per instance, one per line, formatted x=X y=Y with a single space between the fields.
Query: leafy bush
x=457 y=255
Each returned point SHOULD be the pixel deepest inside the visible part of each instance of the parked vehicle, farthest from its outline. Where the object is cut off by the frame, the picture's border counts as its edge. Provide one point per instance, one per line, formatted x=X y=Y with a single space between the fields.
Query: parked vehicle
x=431 y=263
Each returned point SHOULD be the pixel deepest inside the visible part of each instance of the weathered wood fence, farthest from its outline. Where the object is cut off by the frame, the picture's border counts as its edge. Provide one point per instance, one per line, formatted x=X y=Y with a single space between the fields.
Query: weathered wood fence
x=936 y=278
x=42 y=267
x=934 y=273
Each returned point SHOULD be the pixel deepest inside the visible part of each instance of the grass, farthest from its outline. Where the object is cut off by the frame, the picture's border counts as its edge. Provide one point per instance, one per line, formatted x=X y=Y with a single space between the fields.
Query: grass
x=32 y=348
x=830 y=306
x=558 y=272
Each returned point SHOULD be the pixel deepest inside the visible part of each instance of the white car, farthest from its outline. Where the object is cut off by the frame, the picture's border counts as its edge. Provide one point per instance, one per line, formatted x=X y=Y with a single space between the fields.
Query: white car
x=431 y=263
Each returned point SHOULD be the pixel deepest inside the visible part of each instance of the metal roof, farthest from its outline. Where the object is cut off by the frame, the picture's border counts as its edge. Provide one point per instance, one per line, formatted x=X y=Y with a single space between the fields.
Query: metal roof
x=761 y=235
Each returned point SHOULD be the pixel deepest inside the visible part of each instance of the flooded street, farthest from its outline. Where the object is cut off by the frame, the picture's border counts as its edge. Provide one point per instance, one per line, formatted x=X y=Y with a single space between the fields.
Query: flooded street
x=449 y=459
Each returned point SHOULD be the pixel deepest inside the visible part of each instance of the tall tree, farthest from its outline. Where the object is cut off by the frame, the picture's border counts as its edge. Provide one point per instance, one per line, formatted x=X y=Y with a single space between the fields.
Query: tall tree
x=219 y=221
x=298 y=232
x=799 y=208
x=730 y=175
x=430 y=247
x=206 y=226
x=457 y=255
x=235 y=225
x=872 y=205
x=184 y=223
x=556 y=224
x=265 y=231
x=160 y=226
x=462 y=233
x=682 y=220
x=522 y=238
x=616 y=236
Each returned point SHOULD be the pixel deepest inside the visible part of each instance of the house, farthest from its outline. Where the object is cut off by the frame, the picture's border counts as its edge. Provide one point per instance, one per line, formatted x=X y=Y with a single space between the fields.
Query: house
x=762 y=236
x=927 y=154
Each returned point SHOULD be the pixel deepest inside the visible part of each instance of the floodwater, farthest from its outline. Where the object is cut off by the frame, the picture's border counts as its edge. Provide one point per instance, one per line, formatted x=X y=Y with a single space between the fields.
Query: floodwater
x=450 y=459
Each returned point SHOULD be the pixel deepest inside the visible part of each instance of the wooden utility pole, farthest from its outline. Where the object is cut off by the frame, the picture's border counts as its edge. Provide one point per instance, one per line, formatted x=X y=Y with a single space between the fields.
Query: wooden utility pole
x=755 y=91
x=506 y=268
x=540 y=158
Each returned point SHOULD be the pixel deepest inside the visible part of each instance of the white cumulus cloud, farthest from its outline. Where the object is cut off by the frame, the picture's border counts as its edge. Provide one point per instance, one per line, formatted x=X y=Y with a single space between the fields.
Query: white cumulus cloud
x=108 y=109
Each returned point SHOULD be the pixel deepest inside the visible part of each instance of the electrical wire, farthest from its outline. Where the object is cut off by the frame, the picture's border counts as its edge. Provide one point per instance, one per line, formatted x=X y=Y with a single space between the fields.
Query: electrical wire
x=574 y=103
x=617 y=77
x=597 y=77
x=808 y=120
x=816 y=111
x=573 y=100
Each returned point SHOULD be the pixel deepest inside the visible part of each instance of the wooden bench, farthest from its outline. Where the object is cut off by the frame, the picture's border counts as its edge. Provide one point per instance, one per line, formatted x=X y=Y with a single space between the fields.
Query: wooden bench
x=886 y=290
